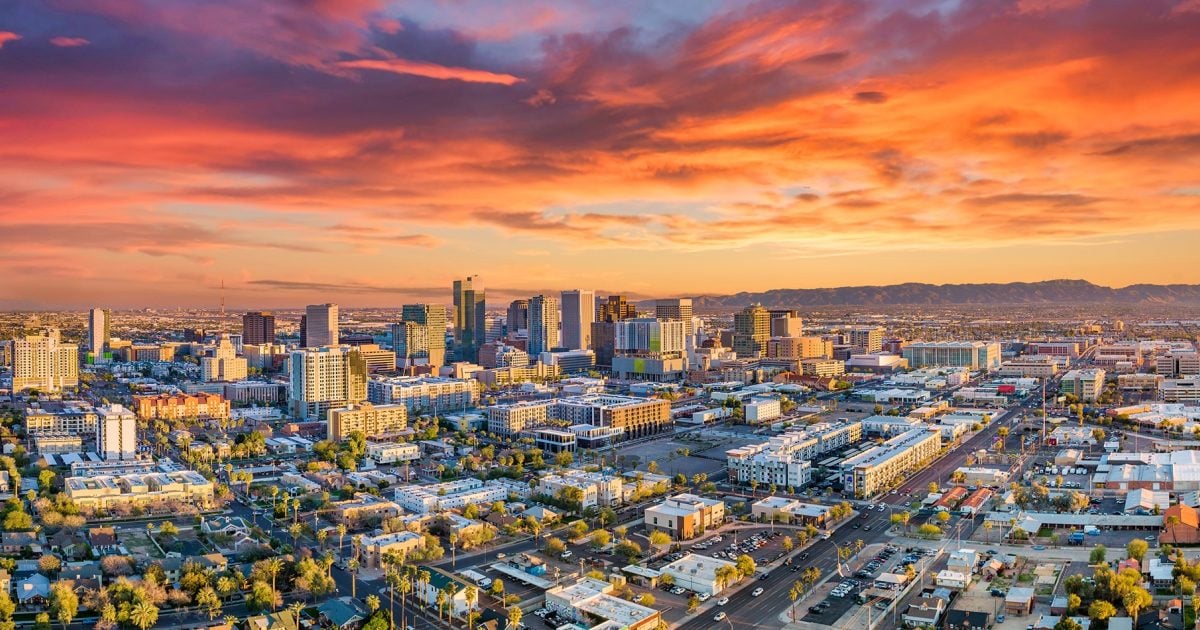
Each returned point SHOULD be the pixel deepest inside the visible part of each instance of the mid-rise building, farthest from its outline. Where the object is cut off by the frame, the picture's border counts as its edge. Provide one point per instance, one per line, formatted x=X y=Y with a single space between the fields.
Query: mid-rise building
x=1178 y=364
x=199 y=406
x=116 y=433
x=99 y=325
x=258 y=328
x=224 y=364
x=371 y=420
x=376 y=548
x=751 y=332
x=823 y=368
x=1086 y=385
x=634 y=417
x=71 y=417
x=516 y=417
x=470 y=318
x=886 y=465
x=1180 y=390
x=785 y=460
x=615 y=309
x=599 y=490
x=685 y=516
x=424 y=394
x=393 y=452
x=799 y=348
x=674 y=308
x=320 y=325
x=44 y=363
x=578 y=313
x=865 y=339
x=762 y=409
x=570 y=361
x=786 y=323
x=325 y=377
x=975 y=355
x=144 y=489
x=452 y=495
x=500 y=355
x=543 y=325
x=1037 y=366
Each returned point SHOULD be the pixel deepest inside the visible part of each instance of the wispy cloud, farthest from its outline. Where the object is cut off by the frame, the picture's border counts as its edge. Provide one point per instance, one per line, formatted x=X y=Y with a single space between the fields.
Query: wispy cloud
x=430 y=70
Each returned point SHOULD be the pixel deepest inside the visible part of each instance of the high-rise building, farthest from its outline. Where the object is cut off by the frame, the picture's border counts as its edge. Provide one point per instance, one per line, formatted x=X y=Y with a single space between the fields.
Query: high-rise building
x=470 y=318
x=224 y=364
x=751 y=332
x=320 y=325
x=116 y=433
x=578 y=313
x=44 y=363
x=865 y=339
x=258 y=328
x=421 y=338
x=99 y=323
x=518 y=317
x=786 y=323
x=543 y=325
x=649 y=349
x=615 y=309
x=325 y=378
x=675 y=308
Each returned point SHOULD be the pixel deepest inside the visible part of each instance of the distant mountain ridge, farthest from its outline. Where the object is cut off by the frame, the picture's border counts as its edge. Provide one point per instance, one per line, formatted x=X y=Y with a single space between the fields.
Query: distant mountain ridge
x=920 y=294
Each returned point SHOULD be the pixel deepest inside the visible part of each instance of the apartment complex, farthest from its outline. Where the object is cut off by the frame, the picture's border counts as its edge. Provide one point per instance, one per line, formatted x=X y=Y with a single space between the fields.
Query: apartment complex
x=785 y=460
x=451 y=495
x=44 y=363
x=393 y=452
x=324 y=378
x=104 y=491
x=882 y=466
x=973 y=355
x=685 y=516
x=543 y=325
x=199 y=406
x=374 y=548
x=420 y=339
x=99 y=332
x=1086 y=385
x=372 y=420
x=72 y=417
x=589 y=600
x=424 y=394
x=864 y=339
x=634 y=417
x=514 y=418
x=599 y=490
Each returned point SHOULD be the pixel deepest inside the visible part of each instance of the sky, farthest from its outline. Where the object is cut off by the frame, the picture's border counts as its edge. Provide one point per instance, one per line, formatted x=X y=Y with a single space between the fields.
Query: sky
x=369 y=152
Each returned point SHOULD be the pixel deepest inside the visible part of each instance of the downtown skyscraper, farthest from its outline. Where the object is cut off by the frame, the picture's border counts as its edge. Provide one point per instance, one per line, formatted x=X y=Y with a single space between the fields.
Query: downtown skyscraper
x=320 y=325
x=543 y=325
x=258 y=328
x=470 y=318
x=99 y=325
x=578 y=313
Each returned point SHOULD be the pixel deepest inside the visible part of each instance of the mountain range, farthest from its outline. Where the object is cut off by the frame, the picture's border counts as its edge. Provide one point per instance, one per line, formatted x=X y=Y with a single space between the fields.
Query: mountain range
x=918 y=294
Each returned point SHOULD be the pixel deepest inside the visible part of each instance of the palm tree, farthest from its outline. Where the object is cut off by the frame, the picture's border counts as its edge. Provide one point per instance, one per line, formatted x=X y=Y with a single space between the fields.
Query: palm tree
x=322 y=535
x=514 y=617
x=794 y=593
x=442 y=599
x=296 y=607
x=274 y=492
x=273 y=567
x=405 y=585
x=353 y=566
x=144 y=615
x=453 y=546
x=341 y=532
x=471 y=594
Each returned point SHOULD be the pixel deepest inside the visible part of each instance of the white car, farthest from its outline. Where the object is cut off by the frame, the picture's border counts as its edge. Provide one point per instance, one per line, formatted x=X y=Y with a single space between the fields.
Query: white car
x=704 y=597
x=719 y=616
x=758 y=591
x=722 y=601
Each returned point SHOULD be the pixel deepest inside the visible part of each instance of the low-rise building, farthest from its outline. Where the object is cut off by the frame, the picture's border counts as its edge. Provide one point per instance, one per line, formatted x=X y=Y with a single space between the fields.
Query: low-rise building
x=457 y=494
x=590 y=599
x=104 y=491
x=393 y=452
x=697 y=573
x=599 y=490
x=685 y=516
x=400 y=543
x=200 y=406
x=365 y=507
x=785 y=510
x=1086 y=385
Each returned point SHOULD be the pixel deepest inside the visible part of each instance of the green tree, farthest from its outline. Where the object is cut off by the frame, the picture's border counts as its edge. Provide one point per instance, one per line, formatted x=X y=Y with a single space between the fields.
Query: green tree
x=1137 y=549
x=208 y=599
x=1098 y=554
x=1135 y=601
x=1101 y=610
x=144 y=615
x=64 y=603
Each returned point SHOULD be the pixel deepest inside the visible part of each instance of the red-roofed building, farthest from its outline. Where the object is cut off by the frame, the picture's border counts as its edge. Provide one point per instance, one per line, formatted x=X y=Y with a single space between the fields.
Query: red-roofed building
x=1181 y=526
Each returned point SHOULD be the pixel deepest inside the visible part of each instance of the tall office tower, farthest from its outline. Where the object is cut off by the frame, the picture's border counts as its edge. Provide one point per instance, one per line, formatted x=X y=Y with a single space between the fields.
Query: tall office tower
x=518 y=316
x=116 y=433
x=410 y=342
x=325 y=378
x=194 y=335
x=258 y=328
x=44 y=363
x=99 y=323
x=751 y=332
x=676 y=308
x=786 y=323
x=320 y=325
x=303 y=335
x=543 y=325
x=224 y=364
x=433 y=348
x=578 y=313
x=648 y=336
x=615 y=309
x=470 y=315
x=865 y=339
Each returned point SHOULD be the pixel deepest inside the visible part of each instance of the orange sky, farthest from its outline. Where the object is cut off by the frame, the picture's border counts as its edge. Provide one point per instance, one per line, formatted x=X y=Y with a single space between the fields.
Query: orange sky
x=368 y=152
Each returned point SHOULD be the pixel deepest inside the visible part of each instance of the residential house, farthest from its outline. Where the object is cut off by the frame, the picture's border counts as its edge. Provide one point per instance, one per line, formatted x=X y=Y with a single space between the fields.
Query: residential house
x=439 y=582
x=14 y=542
x=968 y=620
x=273 y=621
x=104 y=540
x=1019 y=600
x=33 y=590
x=343 y=612
x=924 y=611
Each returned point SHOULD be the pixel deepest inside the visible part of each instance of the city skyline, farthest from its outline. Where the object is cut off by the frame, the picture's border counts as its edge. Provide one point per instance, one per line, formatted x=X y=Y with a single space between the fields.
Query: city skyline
x=369 y=153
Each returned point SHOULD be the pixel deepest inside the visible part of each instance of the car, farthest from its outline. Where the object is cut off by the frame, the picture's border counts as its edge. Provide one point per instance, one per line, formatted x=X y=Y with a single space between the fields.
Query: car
x=758 y=591
x=679 y=590
x=1039 y=547
x=764 y=576
x=804 y=555
x=817 y=609
x=1150 y=539
x=722 y=601
x=566 y=554
x=719 y=616
x=704 y=597
x=501 y=555
x=1000 y=618
x=866 y=528
x=856 y=526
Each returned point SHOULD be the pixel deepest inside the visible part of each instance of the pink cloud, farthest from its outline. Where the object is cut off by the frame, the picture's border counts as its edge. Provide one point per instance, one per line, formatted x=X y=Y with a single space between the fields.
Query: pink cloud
x=8 y=36
x=69 y=42
x=431 y=70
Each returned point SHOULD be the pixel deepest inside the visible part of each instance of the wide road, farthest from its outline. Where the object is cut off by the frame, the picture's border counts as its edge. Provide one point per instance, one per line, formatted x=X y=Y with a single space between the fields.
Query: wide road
x=746 y=611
